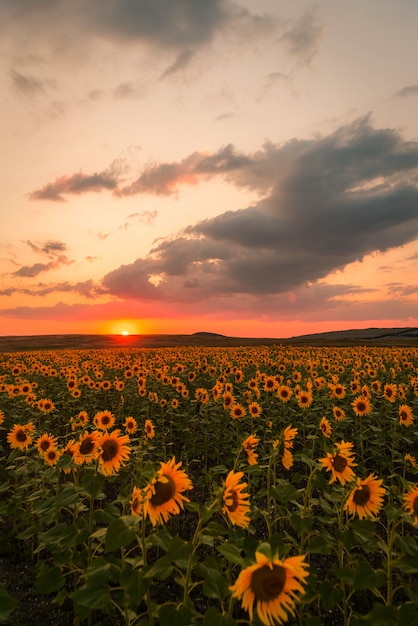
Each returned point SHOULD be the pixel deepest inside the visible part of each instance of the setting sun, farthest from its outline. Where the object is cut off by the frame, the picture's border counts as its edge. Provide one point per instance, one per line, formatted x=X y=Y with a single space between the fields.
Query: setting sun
x=125 y=332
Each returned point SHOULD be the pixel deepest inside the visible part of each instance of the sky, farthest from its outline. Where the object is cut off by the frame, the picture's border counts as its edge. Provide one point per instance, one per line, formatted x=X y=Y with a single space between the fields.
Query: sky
x=248 y=168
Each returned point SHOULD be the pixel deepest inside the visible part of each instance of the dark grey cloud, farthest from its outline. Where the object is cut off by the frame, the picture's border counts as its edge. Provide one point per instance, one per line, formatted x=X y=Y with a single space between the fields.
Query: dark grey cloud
x=406 y=92
x=325 y=203
x=50 y=247
x=178 y=26
x=88 y=289
x=75 y=184
x=30 y=271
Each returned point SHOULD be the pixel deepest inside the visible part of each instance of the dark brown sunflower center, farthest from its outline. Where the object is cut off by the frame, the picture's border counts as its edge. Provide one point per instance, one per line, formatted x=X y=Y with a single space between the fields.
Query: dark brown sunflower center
x=415 y=505
x=231 y=500
x=164 y=491
x=361 y=407
x=268 y=583
x=105 y=419
x=403 y=415
x=340 y=463
x=110 y=450
x=21 y=436
x=361 y=495
x=87 y=446
x=45 y=444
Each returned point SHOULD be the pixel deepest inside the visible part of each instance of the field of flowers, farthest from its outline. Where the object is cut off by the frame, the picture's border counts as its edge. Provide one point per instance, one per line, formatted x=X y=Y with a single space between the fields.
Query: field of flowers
x=215 y=487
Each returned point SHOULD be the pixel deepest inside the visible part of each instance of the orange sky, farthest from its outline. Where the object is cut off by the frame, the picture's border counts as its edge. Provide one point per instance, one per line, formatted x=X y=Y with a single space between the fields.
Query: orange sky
x=250 y=169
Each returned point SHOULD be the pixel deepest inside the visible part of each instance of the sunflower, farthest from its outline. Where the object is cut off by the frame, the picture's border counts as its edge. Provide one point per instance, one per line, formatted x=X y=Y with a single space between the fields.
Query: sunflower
x=304 y=399
x=284 y=392
x=339 y=414
x=19 y=437
x=46 y=405
x=174 y=403
x=103 y=420
x=45 y=442
x=405 y=415
x=340 y=463
x=411 y=459
x=237 y=411
x=136 y=502
x=131 y=425
x=255 y=409
x=361 y=406
x=389 y=392
x=235 y=502
x=114 y=452
x=1 y=417
x=163 y=495
x=149 y=429
x=69 y=450
x=411 y=502
x=228 y=399
x=87 y=448
x=325 y=427
x=272 y=585
x=270 y=383
x=51 y=456
x=366 y=499
x=249 y=445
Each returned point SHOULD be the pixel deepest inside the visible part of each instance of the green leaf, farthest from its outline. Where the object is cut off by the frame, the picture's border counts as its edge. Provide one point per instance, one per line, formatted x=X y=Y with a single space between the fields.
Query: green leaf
x=382 y=615
x=330 y=595
x=161 y=569
x=231 y=552
x=7 y=604
x=321 y=544
x=48 y=579
x=179 y=551
x=93 y=596
x=407 y=564
x=365 y=576
x=215 y=585
x=214 y=618
x=300 y=524
x=120 y=533
x=170 y=615
x=92 y=485
x=284 y=492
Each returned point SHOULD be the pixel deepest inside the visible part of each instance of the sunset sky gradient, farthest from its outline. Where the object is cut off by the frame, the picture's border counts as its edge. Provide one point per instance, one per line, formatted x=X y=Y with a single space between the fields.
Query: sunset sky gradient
x=248 y=168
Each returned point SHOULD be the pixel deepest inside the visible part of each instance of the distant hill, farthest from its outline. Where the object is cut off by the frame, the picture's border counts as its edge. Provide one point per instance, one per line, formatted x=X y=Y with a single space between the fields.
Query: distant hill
x=361 y=336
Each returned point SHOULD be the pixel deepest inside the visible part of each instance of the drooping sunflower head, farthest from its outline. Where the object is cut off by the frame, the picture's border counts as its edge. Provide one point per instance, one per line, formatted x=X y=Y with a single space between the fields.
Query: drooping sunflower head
x=235 y=502
x=325 y=427
x=411 y=503
x=366 y=499
x=163 y=496
x=406 y=417
x=137 y=502
x=271 y=586
x=115 y=451
x=149 y=429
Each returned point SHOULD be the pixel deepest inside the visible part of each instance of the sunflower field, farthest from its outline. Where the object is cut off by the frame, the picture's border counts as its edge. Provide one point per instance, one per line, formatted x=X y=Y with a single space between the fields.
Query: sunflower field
x=214 y=486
